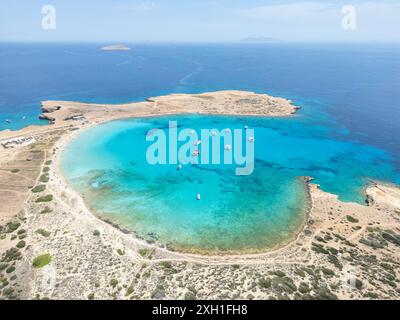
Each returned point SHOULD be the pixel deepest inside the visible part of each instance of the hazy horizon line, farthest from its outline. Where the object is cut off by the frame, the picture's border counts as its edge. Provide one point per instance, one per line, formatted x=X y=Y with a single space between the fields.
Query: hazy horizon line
x=206 y=41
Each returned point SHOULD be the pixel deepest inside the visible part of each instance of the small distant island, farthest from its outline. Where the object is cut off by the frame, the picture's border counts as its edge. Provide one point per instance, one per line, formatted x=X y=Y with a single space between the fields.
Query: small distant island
x=115 y=47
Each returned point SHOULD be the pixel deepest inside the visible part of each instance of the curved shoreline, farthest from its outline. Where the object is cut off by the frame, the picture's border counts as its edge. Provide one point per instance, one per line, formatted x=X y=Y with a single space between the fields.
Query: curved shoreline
x=288 y=110
x=233 y=254
x=83 y=262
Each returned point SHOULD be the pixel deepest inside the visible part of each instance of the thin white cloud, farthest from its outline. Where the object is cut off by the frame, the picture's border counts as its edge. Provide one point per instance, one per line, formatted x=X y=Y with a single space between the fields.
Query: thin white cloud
x=321 y=10
x=296 y=11
x=376 y=20
x=139 y=7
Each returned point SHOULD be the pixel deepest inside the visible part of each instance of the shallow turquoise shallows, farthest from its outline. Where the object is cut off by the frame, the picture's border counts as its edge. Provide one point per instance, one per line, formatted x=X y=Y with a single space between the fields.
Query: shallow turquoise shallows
x=107 y=165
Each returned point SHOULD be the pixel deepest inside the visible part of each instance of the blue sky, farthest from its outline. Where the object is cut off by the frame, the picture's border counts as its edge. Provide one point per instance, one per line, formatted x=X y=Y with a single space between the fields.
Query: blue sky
x=199 y=20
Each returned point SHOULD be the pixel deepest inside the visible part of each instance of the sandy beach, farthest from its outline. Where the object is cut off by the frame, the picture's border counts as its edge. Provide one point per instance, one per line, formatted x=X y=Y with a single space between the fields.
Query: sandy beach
x=345 y=250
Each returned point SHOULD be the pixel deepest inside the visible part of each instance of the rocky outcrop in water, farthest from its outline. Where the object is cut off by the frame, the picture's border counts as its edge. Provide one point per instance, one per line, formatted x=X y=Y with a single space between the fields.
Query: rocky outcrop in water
x=50 y=109
x=46 y=117
x=369 y=200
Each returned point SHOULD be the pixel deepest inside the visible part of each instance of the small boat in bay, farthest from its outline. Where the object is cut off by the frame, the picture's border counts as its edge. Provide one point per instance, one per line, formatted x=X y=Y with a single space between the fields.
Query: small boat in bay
x=198 y=197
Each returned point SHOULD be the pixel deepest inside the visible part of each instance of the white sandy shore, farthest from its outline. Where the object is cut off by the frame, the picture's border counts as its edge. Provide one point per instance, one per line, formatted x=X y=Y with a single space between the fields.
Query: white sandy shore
x=339 y=244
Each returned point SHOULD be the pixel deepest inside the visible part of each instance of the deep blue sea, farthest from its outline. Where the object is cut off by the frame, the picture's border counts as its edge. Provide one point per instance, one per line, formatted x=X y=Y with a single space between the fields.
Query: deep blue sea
x=347 y=132
x=357 y=85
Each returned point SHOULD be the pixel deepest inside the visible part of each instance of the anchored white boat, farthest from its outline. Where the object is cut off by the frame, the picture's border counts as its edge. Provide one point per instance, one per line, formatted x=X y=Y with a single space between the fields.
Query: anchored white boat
x=251 y=139
x=198 y=197
x=228 y=147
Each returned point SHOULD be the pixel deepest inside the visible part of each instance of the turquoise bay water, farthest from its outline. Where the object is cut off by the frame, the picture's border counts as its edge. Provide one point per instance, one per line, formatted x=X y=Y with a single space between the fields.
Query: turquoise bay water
x=348 y=131
x=107 y=164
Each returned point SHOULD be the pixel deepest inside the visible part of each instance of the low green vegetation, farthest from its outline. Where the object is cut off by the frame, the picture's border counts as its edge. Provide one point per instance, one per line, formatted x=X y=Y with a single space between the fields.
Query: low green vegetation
x=351 y=219
x=46 y=198
x=300 y=273
x=113 y=283
x=304 y=288
x=44 y=178
x=10 y=269
x=39 y=188
x=319 y=248
x=15 y=170
x=21 y=244
x=324 y=294
x=265 y=283
x=48 y=162
x=166 y=264
x=43 y=232
x=12 y=226
x=145 y=252
x=283 y=285
x=190 y=294
x=42 y=260
x=46 y=169
x=121 y=252
x=9 y=293
x=358 y=284
x=374 y=241
x=391 y=236
x=129 y=291
x=46 y=210
x=96 y=233
x=158 y=293
x=327 y=271
x=335 y=261
x=12 y=254
x=279 y=273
